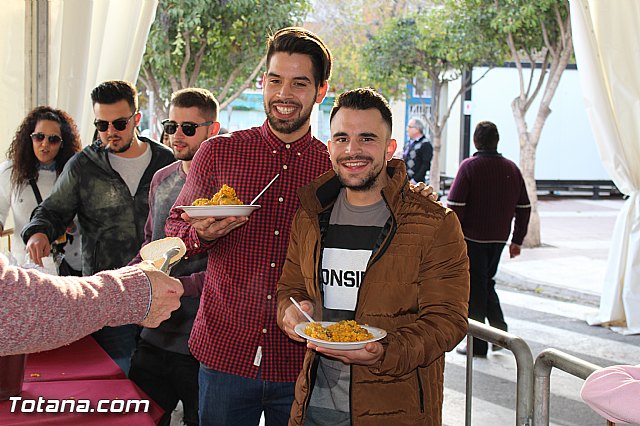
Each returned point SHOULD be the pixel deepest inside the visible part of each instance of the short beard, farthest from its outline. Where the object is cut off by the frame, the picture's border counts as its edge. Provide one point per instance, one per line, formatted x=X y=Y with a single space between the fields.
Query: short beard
x=284 y=126
x=187 y=156
x=364 y=186
x=120 y=150
x=367 y=184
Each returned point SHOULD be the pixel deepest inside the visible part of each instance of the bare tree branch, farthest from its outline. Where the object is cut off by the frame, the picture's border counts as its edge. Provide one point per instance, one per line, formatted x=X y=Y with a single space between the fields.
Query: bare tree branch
x=186 y=36
x=246 y=84
x=197 y=63
x=516 y=59
x=547 y=42
x=541 y=78
x=232 y=77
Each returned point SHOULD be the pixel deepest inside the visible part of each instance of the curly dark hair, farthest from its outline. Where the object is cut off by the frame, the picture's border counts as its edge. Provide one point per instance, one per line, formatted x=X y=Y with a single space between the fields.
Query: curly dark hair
x=20 y=152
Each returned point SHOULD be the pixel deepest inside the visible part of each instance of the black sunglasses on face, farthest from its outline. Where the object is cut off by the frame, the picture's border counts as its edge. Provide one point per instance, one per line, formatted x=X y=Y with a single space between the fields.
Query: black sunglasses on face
x=120 y=124
x=39 y=137
x=188 y=128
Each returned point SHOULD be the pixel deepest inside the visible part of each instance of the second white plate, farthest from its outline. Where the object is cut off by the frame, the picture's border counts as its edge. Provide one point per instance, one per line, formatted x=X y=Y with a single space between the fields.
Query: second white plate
x=378 y=334
x=219 y=211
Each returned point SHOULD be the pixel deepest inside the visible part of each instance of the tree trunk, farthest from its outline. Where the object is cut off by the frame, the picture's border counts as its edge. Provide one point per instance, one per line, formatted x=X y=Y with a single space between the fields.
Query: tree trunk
x=528 y=169
x=528 y=166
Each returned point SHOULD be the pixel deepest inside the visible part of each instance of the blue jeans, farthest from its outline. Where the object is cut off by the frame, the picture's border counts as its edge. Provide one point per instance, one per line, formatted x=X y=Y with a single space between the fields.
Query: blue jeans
x=227 y=399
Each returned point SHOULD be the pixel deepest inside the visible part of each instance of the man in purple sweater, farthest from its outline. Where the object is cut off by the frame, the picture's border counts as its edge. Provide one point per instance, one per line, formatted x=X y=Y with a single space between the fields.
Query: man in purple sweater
x=487 y=193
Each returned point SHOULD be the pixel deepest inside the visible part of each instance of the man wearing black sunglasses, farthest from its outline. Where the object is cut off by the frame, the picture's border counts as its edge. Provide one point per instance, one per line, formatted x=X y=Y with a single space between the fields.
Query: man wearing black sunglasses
x=107 y=186
x=162 y=364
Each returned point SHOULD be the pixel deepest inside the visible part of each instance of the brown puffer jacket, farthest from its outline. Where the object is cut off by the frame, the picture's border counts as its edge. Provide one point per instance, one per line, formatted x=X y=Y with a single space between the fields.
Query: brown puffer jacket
x=416 y=287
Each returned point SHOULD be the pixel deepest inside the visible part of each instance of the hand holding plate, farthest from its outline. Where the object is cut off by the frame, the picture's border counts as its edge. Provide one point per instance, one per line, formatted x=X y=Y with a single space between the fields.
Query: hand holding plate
x=369 y=355
x=210 y=228
x=293 y=317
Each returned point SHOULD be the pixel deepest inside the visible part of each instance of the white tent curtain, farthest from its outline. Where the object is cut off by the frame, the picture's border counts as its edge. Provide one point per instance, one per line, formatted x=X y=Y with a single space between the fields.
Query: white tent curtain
x=12 y=70
x=90 y=41
x=93 y=41
x=608 y=56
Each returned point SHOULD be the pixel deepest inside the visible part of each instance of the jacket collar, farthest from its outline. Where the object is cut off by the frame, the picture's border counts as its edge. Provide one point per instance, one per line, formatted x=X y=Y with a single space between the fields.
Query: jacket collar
x=487 y=153
x=100 y=157
x=420 y=139
x=323 y=191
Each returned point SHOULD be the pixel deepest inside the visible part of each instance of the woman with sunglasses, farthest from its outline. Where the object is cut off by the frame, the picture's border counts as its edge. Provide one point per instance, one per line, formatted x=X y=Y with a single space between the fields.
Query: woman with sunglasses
x=45 y=140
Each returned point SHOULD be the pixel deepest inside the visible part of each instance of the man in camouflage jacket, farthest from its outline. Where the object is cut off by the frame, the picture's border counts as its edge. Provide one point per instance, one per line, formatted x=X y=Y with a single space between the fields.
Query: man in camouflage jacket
x=107 y=186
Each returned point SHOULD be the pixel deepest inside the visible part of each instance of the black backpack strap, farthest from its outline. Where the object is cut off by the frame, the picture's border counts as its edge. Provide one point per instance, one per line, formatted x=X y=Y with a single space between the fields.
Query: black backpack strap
x=36 y=191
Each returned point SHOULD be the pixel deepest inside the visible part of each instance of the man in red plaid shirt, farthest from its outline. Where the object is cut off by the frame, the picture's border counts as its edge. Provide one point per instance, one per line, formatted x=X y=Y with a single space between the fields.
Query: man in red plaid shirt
x=247 y=364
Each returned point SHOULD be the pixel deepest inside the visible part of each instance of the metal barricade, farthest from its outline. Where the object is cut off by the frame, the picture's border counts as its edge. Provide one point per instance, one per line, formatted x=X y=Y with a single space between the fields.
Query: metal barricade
x=524 y=368
x=545 y=361
x=533 y=379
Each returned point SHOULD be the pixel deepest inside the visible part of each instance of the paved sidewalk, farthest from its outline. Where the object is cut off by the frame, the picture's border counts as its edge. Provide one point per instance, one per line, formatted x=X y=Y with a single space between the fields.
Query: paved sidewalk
x=571 y=264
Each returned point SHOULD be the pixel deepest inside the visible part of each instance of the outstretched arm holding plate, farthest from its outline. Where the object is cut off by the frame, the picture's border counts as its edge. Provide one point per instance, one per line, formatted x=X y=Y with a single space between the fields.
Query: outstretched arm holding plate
x=41 y=312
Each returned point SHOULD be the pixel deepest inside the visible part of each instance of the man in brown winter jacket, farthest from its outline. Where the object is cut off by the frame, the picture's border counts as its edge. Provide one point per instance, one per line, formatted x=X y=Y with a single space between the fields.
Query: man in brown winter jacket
x=364 y=247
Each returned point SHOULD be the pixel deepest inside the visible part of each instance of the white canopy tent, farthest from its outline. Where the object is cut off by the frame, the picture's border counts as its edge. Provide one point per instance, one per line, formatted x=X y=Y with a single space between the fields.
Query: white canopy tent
x=79 y=43
x=89 y=41
x=608 y=56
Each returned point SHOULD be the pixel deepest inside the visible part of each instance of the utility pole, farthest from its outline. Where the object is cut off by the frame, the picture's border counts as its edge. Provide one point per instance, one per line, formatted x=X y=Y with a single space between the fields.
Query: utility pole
x=465 y=117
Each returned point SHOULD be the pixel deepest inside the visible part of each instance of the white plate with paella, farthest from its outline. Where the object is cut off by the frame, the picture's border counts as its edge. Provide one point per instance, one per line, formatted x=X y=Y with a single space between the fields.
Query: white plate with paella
x=219 y=211
x=224 y=203
x=341 y=335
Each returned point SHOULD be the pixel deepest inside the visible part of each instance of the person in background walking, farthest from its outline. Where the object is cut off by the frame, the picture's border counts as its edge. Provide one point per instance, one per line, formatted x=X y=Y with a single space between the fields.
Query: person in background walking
x=487 y=192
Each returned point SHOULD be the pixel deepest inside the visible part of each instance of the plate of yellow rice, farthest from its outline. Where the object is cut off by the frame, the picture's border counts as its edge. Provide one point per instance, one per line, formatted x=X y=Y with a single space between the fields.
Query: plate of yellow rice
x=341 y=335
x=224 y=203
x=219 y=211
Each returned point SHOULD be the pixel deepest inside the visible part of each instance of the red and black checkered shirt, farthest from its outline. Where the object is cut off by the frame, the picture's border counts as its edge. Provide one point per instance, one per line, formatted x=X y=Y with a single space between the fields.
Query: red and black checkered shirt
x=235 y=330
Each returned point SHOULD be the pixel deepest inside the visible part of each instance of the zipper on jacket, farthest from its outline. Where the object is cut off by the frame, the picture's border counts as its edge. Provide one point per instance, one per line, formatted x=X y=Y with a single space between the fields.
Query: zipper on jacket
x=387 y=241
x=316 y=281
x=350 y=399
x=420 y=391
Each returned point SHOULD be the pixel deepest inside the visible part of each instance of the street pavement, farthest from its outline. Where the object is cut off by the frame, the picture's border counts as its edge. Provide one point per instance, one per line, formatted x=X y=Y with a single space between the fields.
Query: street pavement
x=571 y=264
x=546 y=294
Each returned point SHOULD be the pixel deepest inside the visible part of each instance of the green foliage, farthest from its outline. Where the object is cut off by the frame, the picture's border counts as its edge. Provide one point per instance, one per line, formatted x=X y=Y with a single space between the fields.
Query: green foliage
x=215 y=44
x=435 y=44
x=528 y=23
x=347 y=25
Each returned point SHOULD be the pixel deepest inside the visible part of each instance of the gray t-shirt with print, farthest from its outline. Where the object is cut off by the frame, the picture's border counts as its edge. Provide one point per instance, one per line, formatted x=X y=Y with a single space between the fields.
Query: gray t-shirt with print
x=348 y=245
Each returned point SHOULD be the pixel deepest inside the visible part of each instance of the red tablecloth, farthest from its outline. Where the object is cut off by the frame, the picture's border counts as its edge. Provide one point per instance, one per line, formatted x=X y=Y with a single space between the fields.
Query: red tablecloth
x=81 y=360
x=44 y=395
